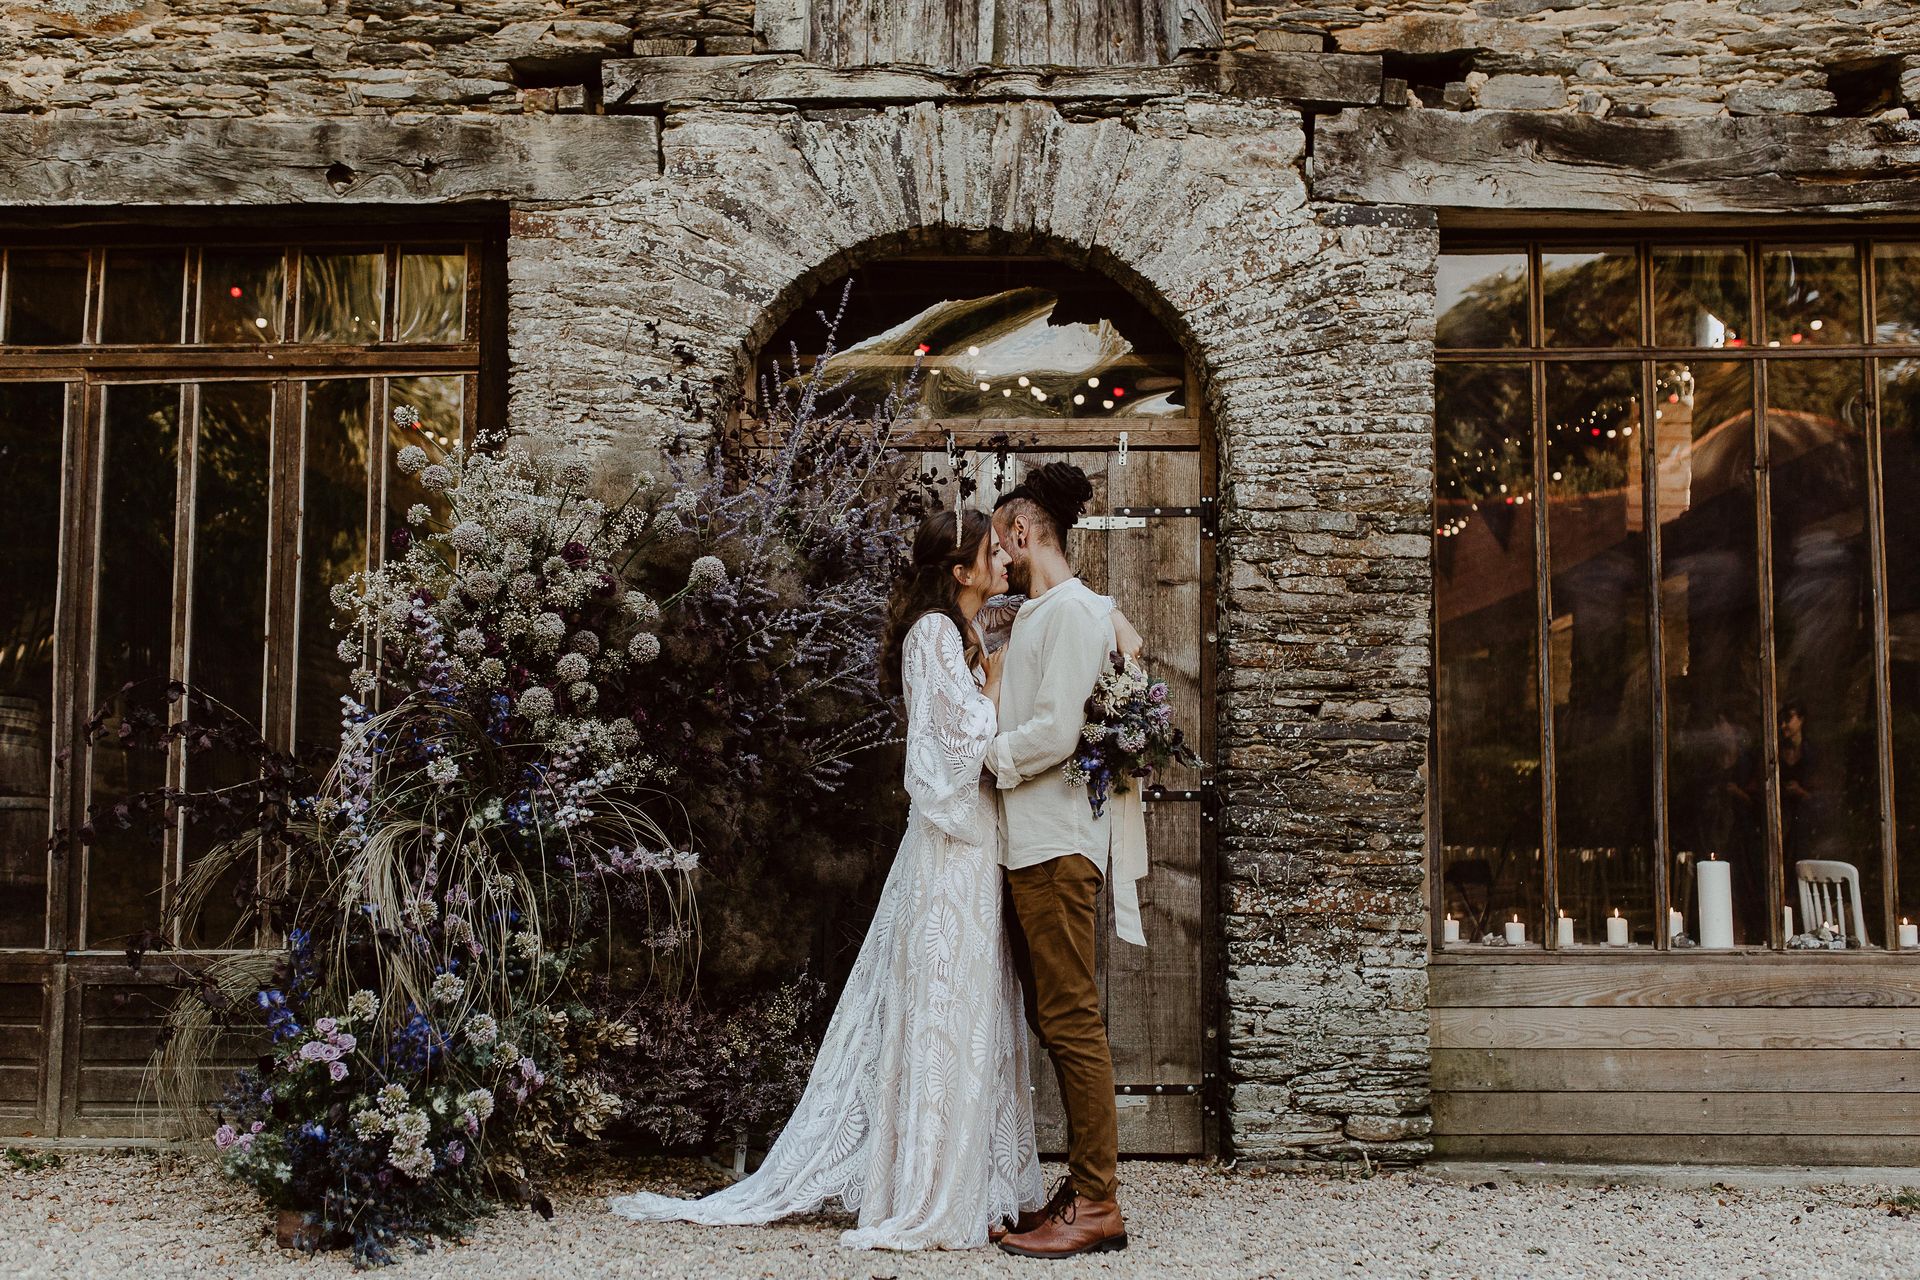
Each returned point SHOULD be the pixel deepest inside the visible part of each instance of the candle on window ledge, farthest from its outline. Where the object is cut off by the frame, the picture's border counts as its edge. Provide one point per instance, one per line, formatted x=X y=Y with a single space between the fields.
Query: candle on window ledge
x=1616 y=929
x=1516 y=932
x=1563 y=931
x=1714 y=880
x=1676 y=925
x=1786 y=921
x=1909 y=935
x=1449 y=929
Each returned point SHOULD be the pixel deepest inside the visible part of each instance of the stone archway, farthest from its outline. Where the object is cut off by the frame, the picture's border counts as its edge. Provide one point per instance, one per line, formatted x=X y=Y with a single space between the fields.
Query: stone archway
x=1310 y=326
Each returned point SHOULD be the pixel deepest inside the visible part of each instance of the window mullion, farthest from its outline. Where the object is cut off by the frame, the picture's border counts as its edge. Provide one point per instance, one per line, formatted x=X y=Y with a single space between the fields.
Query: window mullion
x=1543 y=591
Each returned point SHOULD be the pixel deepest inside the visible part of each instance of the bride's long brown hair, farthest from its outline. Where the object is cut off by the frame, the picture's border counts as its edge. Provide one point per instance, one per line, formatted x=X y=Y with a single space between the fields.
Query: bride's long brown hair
x=927 y=585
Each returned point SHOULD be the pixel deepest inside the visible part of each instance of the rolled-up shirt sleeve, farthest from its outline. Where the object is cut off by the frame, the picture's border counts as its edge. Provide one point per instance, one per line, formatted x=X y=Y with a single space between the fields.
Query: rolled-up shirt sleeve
x=1073 y=657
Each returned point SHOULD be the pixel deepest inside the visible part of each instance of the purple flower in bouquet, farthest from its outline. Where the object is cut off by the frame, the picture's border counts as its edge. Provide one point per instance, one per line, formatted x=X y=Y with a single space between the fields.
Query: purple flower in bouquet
x=1129 y=734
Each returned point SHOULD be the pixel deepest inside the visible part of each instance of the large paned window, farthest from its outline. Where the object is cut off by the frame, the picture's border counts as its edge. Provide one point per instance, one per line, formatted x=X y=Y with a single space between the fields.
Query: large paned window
x=1677 y=593
x=195 y=432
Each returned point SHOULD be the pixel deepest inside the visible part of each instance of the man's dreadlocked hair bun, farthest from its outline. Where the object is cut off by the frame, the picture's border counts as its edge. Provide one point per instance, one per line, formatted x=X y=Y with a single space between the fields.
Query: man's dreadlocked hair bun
x=1060 y=491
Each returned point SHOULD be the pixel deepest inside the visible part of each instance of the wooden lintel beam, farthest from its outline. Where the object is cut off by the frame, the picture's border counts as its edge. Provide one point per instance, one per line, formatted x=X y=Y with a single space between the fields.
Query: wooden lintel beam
x=1540 y=160
x=1339 y=79
x=79 y=157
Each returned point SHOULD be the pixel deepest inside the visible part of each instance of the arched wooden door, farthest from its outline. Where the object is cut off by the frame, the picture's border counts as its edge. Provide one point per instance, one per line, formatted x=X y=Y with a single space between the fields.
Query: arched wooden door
x=1006 y=346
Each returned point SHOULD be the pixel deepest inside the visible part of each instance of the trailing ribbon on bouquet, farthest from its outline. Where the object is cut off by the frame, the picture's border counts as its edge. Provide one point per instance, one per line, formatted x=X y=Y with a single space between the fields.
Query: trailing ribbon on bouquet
x=1128 y=865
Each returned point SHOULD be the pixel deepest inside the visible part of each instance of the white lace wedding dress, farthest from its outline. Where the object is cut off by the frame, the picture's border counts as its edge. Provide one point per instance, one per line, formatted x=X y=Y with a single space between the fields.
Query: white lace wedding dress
x=917 y=1116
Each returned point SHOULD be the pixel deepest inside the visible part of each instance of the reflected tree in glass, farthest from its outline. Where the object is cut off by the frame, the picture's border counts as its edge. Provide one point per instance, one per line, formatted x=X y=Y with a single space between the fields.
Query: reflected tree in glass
x=1597 y=646
x=432 y=303
x=144 y=296
x=438 y=401
x=333 y=541
x=1710 y=633
x=1701 y=296
x=1823 y=628
x=32 y=417
x=1900 y=478
x=134 y=643
x=1812 y=294
x=242 y=295
x=1591 y=297
x=46 y=296
x=1896 y=293
x=1489 y=702
x=341 y=296
x=1481 y=300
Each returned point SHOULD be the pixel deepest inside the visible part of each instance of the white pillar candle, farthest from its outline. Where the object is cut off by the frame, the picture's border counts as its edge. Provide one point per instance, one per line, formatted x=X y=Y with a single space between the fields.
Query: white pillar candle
x=1449 y=930
x=1616 y=929
x=1786 y=921
x=1675 y=925
x=1516 y=932
x=1714 y=879
x=1563 y=931
x=1909 y=935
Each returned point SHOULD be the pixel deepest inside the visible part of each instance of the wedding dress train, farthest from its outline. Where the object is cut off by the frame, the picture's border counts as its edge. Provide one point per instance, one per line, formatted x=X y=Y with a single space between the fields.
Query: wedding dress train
x=917 y=1116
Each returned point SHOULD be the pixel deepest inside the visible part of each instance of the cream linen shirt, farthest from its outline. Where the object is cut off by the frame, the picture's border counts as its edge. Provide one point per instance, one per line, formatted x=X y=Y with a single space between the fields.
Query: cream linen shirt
x=1060 y=642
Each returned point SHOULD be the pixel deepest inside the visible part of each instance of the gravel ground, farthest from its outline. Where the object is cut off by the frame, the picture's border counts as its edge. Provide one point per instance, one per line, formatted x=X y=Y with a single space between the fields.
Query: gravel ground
x=146 y=1216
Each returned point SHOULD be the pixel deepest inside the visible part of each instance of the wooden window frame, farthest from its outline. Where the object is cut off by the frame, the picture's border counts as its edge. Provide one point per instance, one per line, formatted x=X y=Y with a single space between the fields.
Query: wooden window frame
x=1646 y=355
x=89 y=367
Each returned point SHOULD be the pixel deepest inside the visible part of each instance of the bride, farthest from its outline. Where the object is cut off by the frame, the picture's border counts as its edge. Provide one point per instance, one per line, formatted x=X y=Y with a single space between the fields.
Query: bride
x=918 y=1116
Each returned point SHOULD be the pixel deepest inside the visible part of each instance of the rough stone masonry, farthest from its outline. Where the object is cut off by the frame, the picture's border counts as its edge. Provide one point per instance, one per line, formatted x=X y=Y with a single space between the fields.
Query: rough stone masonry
x=678 y=175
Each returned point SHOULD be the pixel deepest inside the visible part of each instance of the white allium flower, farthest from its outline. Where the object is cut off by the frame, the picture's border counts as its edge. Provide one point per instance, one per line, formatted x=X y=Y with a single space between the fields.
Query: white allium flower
x=480 y=1101
x=492 y=671
x=644 y=647
x=554 y=567
x=412 y=1159
x=470 y=536
x=418 y=513
x=525 y=586
x=626 y=734
x=436 y=479
x=447 y=989
x=470 y=641
x=482 y=1030
x=526 y=943
x=585 y=642
x=364 y=682
x=505 y=1054
x=573 y=666
x=391 y=1098
x=549 y=629
x=348 y=650
x=398 y=613
x=443 y=770
x=368 y=1123
x=343 y=596
x=583 y=694
x=413 y=459
x=535 y=704
x=708 y=573
x=575 y=473
x=362 y=1005
x=482 y=584
x=406 y=417
x=641 y=607
x=520 y=521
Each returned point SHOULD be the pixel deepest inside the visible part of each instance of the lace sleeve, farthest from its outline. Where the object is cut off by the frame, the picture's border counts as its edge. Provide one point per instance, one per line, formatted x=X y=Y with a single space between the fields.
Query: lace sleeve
x=949 y=724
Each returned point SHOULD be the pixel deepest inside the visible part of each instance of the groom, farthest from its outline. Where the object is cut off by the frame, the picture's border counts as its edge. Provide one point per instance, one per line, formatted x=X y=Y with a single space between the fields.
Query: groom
x=1055 y=852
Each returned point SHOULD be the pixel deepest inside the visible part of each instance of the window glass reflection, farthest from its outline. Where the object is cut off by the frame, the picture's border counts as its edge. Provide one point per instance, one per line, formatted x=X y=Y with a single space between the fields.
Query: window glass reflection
x=1900 y=478
x=1812 y=295
x=1710 y=635
x=1896 y=292
x=46 y=296
x=432 y=305
x=1591 y=296
x=1488 y=621
x=1597 y=646
x=134 y=643
x=341 y=295
x=227 y=654
x=438 y=403
x=1700 y=296
x=333 y=547
x=242 y=295
x=1823 y=631
x=32 y=416
x=144 y=289
x=1481 y=300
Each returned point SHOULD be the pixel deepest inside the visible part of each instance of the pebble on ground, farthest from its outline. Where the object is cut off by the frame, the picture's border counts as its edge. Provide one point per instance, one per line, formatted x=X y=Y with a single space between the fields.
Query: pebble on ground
x=155 y=1215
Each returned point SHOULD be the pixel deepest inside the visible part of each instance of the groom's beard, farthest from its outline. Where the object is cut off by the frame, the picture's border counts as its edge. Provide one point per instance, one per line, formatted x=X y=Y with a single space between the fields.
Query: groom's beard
x=1018 y=578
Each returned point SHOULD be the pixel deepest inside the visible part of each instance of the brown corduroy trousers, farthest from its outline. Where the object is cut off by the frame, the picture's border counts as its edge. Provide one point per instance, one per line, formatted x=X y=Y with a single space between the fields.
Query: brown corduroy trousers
x=1052 y=931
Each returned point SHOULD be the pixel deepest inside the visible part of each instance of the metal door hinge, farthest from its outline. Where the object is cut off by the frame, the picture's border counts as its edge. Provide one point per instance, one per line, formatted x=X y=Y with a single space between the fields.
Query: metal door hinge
x=1207 y=513
x=1111 y=522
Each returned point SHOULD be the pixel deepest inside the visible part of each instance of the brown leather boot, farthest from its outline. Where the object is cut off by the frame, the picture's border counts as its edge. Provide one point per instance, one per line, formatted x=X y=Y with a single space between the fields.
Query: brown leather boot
x=1031 y=1218
x=1078 y=1226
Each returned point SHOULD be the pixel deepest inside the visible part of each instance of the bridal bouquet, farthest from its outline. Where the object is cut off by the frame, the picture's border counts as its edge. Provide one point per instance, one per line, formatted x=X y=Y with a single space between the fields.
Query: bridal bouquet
x=1129 y=733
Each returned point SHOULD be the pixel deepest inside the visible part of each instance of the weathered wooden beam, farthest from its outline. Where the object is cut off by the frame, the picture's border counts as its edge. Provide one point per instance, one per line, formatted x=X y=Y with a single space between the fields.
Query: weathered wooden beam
x=1331 y=78
x=67 y=158
x=1536 y=160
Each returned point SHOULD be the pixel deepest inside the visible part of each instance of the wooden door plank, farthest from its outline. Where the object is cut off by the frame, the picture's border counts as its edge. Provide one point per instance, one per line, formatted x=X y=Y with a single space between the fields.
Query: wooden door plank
x=1676 y=1070
x=1678 y=983
x=1675 y=1029
x=1698 y=1112
x=1809 y=1148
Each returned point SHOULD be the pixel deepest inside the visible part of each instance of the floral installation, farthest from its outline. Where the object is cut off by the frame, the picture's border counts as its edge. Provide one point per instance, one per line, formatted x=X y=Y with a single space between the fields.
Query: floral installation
x=1129 y=733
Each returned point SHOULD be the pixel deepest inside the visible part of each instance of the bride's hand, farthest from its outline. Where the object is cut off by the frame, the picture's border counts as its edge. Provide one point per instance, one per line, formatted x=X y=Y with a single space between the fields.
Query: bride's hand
x=1130 y=640
x=991 y=665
